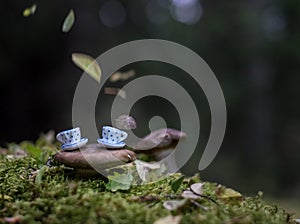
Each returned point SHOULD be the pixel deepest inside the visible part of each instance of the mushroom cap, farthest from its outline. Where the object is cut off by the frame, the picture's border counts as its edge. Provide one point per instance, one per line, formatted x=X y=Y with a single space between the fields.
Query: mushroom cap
x=162 y=138
x=95 y=154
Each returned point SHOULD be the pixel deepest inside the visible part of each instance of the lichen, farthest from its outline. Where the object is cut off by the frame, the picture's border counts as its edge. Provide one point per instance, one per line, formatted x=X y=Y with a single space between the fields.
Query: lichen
x=63 y=198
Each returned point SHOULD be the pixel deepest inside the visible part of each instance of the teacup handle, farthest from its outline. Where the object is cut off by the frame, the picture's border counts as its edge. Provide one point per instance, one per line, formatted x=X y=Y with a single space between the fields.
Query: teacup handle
x=124 y=134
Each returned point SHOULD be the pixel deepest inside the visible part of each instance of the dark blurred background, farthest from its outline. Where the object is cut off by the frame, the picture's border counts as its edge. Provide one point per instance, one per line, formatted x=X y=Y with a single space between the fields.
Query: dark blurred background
x=252 y=46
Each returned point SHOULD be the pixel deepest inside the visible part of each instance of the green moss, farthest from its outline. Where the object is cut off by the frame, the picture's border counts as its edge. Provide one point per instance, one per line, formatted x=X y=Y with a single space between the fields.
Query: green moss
x=59 y=198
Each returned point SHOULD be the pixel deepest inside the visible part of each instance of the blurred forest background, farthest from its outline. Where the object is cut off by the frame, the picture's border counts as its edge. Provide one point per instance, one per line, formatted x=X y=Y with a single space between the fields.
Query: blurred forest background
x=253 y=47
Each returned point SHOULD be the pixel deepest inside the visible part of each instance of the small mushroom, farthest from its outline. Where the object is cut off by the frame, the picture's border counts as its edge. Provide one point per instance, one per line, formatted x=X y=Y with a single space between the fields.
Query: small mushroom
x=162 y=138
x=159 y=143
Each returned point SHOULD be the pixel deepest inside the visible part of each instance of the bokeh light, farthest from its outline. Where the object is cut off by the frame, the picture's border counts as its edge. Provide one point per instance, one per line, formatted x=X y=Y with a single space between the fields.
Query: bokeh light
x=155 y=13
x=112 y=13
x=186 y=11
x=273 y=23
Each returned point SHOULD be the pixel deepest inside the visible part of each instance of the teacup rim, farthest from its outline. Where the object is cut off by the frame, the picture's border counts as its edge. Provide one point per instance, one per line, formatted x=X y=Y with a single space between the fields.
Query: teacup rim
x=115 y=129
x=68 y=130
x=107 y=126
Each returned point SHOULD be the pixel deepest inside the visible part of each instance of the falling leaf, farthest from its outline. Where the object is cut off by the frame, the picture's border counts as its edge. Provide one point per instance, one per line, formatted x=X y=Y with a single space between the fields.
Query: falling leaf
x=125 y=122
x=119 y=181
x=150 y=171
x=29 y=11
x=68 y=22
x=122 y=76
x=39 y=176
x=197 y=188
x=169 y=220
x=189 y=194
x=115 y=91
x=87 y=64
x=174 y=204
x=176 y=184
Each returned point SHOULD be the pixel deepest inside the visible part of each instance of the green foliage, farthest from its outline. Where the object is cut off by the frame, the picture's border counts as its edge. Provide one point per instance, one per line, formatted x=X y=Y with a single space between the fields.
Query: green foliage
x=39 y=176
x=176 y=184
x=49 y=195
x=39 y=153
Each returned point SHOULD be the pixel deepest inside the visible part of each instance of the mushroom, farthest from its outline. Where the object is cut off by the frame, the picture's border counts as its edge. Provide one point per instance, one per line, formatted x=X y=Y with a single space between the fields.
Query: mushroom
x=158 y=143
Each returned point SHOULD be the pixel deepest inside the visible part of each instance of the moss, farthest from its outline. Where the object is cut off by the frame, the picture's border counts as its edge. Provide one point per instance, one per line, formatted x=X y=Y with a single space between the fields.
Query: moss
x=61 y=198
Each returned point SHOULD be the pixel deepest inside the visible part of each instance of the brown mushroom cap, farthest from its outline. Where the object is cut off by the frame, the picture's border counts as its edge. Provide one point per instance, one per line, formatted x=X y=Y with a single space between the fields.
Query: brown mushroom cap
x=95 y=154
x=162 y=138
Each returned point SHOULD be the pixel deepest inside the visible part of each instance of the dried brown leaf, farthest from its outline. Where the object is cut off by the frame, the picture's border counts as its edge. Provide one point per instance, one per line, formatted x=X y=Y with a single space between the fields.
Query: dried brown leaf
x=115 y=91
x=125 y=122
x=122 y=76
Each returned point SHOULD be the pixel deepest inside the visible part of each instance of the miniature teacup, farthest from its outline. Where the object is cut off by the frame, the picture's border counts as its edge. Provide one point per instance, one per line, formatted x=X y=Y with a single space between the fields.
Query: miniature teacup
x=69 y=136
x=71 y=139
x=113 y=135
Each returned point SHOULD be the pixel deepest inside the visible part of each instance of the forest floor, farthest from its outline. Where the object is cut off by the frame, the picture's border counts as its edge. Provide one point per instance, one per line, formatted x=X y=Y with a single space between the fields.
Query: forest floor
x=31 y=192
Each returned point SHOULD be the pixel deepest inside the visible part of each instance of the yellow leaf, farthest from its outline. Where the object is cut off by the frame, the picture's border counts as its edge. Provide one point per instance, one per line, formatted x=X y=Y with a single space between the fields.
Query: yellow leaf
x=169 y=220
x=6 y=197
x=29 y=11
x=87 y=64
x=229 y=193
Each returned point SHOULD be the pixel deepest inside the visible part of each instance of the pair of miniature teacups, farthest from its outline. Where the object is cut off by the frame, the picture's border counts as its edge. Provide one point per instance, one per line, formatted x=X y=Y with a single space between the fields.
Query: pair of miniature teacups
x=111 y=138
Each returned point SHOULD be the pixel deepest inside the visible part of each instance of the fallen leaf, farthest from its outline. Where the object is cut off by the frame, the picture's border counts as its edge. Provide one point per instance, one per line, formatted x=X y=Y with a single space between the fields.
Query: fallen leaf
x=228 y=193
x=176 y=184
x=174 y=204
x=197 y=188
x=69 y=21
x=87 y=64
x=6 y=197
x=30 y=10
x=125 y=122
x=189 y=194
x=115 y=91
x=15 y=219
x=297 y=220
x=169 y=220
x=149 y=171
x=122 y=76
x=119 y=182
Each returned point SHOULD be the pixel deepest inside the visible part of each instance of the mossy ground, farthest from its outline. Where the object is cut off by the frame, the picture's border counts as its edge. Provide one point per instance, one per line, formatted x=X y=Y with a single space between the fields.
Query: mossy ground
x=62 y=198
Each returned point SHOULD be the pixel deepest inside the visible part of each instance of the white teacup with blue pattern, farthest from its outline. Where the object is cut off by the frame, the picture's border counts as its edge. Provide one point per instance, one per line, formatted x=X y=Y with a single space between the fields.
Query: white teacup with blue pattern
x=71 y=139
x=112 y=137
